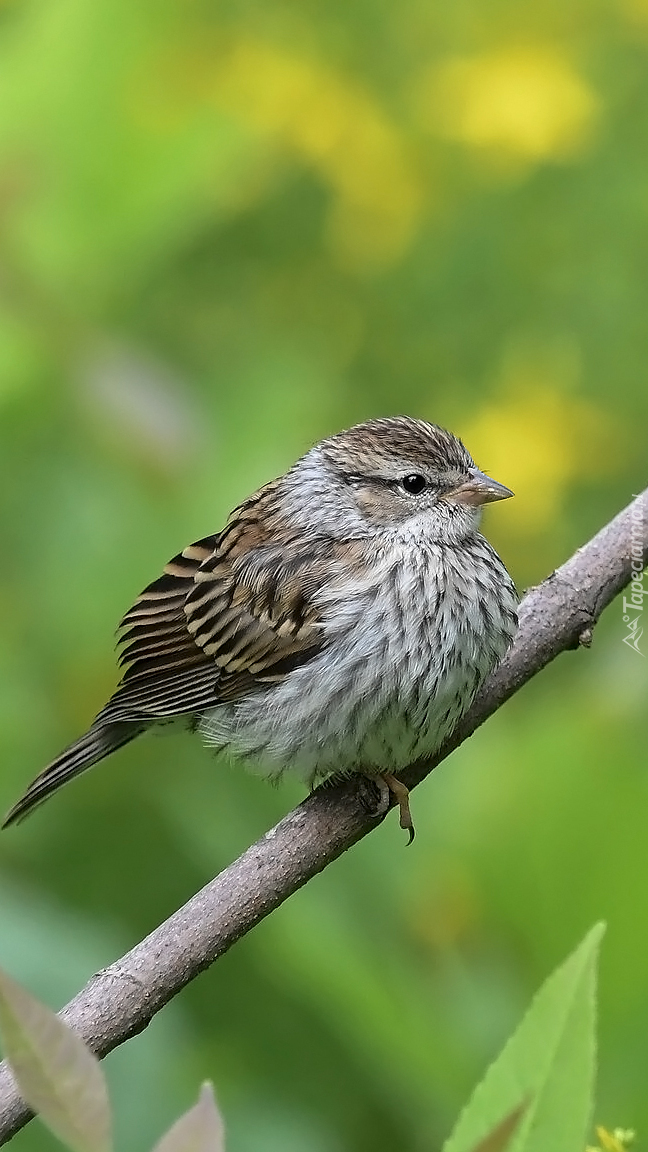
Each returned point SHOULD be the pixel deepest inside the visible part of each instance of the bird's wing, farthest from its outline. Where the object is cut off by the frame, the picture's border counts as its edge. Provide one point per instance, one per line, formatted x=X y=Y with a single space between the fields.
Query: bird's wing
x=254 y=614
x=165 y=672
x=231 y=614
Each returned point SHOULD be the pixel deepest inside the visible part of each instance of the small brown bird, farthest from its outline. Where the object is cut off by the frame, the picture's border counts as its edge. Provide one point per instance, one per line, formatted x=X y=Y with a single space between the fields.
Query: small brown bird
x=342 y=621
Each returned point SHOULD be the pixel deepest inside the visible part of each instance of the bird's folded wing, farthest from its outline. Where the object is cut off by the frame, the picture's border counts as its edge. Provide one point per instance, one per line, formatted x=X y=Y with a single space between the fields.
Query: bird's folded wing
x=231 y=614
x=254 y=615
x=165 y=673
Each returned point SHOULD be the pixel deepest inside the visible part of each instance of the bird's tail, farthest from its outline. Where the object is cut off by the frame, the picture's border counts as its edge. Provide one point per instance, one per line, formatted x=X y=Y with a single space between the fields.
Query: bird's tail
x=101 y=739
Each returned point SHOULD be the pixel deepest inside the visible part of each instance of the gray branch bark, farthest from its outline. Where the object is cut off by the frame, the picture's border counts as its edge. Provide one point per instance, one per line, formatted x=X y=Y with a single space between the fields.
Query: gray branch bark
x=120 y=1001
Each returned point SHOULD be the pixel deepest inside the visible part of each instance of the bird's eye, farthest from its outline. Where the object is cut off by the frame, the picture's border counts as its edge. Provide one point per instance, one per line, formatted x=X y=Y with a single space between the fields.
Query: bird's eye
x=414 y=483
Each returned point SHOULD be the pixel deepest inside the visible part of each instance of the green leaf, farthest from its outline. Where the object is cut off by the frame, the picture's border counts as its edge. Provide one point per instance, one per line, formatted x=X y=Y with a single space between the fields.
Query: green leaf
x=549 y=1062
x=199 y=1130
x=499 y=1139
x=57 y=1074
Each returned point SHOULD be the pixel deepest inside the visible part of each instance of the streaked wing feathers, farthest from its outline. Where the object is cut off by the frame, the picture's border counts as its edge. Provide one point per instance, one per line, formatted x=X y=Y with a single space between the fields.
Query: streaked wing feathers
x=230 y=613
x=166 y=673
x=253 y=616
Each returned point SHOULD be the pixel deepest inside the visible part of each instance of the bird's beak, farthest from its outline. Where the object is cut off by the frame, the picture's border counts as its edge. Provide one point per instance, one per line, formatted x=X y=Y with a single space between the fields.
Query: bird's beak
x=479 y=489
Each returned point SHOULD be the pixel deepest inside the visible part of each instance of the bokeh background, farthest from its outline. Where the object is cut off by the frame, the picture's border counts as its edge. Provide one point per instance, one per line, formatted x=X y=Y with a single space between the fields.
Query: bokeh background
x=227 y=229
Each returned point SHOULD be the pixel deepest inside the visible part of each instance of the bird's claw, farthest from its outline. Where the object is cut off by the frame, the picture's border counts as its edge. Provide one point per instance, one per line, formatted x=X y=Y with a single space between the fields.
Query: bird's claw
x=401 y=795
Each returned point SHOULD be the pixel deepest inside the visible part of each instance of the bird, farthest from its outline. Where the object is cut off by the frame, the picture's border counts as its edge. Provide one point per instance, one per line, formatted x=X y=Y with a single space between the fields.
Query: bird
x=341 y=622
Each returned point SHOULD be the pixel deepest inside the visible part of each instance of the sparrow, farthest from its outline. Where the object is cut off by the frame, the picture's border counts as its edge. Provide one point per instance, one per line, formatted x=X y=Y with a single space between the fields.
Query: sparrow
x=341 y=622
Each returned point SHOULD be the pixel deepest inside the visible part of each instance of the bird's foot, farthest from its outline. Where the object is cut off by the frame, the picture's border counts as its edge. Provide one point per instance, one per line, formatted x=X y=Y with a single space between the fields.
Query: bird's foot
x=401 y=796
x=373 y=794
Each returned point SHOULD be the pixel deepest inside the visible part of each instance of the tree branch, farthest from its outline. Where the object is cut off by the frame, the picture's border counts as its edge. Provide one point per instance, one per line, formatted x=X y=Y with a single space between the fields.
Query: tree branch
x=120 y=1001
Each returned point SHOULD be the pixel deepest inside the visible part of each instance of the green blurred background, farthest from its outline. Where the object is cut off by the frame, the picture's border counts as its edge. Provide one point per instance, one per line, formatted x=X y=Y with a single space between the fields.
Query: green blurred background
x=227 y=230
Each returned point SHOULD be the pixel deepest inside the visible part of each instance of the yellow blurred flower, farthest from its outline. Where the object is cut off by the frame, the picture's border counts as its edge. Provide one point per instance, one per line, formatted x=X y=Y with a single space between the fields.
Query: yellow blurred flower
x=538 y=438
x=529 y=103
x=617 y=1141
x=338 y=129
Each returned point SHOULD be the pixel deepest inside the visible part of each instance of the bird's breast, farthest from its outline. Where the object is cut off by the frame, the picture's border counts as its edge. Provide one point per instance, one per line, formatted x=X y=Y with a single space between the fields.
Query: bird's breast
x=407 y=641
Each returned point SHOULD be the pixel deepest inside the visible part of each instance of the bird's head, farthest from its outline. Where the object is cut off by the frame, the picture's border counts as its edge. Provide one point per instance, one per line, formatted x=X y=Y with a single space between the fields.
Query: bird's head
x=394 y=475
